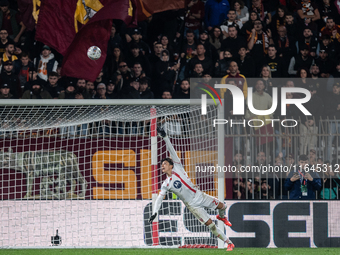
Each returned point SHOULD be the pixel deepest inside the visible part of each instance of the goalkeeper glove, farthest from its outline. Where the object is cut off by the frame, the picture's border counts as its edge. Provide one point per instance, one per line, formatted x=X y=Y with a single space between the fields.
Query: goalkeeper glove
x=161 y=132
x=152 y=217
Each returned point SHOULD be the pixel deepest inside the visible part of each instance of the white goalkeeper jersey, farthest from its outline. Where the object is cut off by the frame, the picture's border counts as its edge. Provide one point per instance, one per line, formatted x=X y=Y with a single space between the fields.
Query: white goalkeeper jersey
x=179 y=183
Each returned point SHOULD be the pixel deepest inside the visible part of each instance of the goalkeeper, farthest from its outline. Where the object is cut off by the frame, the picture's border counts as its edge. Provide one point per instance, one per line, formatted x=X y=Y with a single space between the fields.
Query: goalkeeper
x=177 y=181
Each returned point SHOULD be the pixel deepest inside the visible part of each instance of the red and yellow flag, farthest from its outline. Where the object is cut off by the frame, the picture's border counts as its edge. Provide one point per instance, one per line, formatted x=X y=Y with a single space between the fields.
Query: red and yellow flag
x=73 y=26
x=146 y=8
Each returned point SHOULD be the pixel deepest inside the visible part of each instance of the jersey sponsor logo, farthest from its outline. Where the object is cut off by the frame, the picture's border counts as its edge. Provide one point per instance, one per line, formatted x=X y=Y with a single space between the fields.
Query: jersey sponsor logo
x=177 y=184
x=185 y=183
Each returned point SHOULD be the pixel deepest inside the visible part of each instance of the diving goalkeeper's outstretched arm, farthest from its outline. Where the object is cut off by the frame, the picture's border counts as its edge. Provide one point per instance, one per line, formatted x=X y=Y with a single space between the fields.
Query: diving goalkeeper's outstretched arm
x=178 y=182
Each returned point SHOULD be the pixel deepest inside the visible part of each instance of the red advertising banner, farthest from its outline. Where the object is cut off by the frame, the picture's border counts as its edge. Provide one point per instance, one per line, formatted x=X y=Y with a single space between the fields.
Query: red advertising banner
x=115 y=168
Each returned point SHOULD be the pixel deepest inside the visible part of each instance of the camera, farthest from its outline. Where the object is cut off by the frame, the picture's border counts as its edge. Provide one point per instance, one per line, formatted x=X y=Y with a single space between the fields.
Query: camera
x=56 y=240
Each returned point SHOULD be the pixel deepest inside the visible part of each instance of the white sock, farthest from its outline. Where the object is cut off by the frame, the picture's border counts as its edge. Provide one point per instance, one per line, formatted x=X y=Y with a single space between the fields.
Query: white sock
x=221 y=212
x=217 y=232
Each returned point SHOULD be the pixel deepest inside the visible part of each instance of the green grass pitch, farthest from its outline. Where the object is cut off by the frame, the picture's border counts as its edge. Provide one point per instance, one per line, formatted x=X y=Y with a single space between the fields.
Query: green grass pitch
x=245 y=251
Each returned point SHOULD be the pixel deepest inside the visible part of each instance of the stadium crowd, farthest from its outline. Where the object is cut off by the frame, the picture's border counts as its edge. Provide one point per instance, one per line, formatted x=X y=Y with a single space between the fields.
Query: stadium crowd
x=231 y=40
x=216 y=38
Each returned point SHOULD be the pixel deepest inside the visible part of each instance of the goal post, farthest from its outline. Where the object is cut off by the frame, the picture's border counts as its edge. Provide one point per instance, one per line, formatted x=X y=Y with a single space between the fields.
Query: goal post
x=90 y=169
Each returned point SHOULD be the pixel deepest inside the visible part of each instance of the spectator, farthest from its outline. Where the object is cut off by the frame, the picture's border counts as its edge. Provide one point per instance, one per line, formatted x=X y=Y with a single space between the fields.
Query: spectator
x=292 y=29
x=302 y=60
x=238 y=158
x=336 y=73
x=137 y=71
x=5 y=94
x=70 y=91
x=122 y=77
x=303 y=74
x=252 y=189
x=167 y=45
x=238 y=185
x=279 y=19
x=303 y=183
x=9 y=54
x=115 y=39
x=155 y=56
x=81 y=89
x=112 y=61
x=90 y=88
x=3 y=41
x=166 y=94
x=261 y=100
x=330 y=182
x=232 y=42
x=210 y=50
x=309 y=124
x=216 y=38
x=10 y=21
x=267 y=191
x=312 y=157
x=308 y=10
x=222 y=66
x=133 y=91
x=136 y=57
x=136 y=38
x=328 y=9
x=53 y=87
x=264 y=15
x=245 y=63
x=200 y=59
x=331 y=29
x=194 y=16
x=240 y=79
x=198 y=71
x=258 y=43
x=319 y=84
x=332 y=47
x=332 y=112
x=326 y=65
x=308 y=40
x=189 y=48
x=22 y=68
x=215 y=12
x=242 y=13
x=231 y=21
x=286 y=46
x=45 y=63
x=184 y=92
x=9 y=77
x=266 y=75
x=154 y=59
x=37 y=91
x=249 y=25
x=101 y=92
x=111 y=91
x=292 y=112
x=166 y=72
x=275 y=63
x=32 y=76
x=144 y=90
x=290 y=161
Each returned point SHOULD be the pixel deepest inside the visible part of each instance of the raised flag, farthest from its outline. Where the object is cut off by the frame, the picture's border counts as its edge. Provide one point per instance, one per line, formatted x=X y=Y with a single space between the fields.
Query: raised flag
x=26 y=13
x=146 y=8
x=73 y=26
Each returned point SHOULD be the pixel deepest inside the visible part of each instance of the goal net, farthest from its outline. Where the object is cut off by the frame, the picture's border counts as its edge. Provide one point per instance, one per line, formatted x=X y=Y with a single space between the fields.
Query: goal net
x=90 y=171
